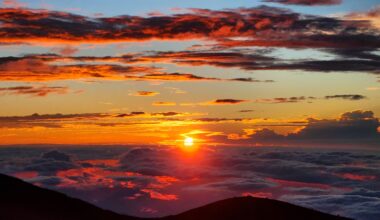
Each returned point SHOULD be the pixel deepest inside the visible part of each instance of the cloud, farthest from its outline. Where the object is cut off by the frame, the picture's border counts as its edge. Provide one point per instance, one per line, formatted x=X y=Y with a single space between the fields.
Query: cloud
x=164 y=103
x=246 y=111
x=56 y=121
x=166 y=114
x=156 y=195
x=65 y=51
x=309 y=99
x=372 y=15
x=169 y=181
x=348 y=97
x=175 y=77
x=252 y=80
x=34 y=91
x=285 y=100
x=50 y=163
x=13 y=4
x=351 y=125
x=226 y=102
x=306 y=2
x=137 y=67
x=358 y=207
x=145 y=93
x=350 y=129
x=38 y=68
x=56 y=155
x=373 y=88
x=360 y=59
x=263 y=26
x=44 y=67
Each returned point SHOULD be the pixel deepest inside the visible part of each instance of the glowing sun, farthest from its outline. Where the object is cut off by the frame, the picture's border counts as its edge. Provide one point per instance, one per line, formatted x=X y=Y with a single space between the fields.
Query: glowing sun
x=188 y=142
x=188 y=145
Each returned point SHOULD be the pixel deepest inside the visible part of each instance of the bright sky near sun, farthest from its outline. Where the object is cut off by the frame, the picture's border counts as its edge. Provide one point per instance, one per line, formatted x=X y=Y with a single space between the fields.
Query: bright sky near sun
x=225 y=72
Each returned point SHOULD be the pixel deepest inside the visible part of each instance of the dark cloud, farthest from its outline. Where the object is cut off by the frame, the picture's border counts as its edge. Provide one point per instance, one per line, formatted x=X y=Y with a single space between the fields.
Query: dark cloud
x=351 y=129
x=51 y=162
x=166 y=114
x=265 y=26
x=56 y=155
x=34 y=91
x=246 y=111
x=286 y=100
x=306 y=2
x=47 y=120
x=348 y=60
x=252 y=80
x=43 y=67
x=39 y=68
x=297 y=99
x=227 y=101
x=175 y=77
x=357 y=207
x=348 y=97
x=164 y=103
x=96 y=119
x=351 y=125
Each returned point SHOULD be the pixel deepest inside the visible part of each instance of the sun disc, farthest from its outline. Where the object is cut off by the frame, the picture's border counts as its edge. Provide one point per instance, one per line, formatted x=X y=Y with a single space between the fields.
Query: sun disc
x=188 y=142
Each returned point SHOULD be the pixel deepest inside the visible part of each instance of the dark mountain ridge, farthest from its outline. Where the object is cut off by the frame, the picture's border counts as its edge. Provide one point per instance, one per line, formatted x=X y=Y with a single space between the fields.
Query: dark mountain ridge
x=23 y=201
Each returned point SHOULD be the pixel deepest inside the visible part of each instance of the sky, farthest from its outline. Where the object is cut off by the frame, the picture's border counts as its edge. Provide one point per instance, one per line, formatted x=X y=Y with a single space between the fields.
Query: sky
x=276 y=72
x=241 y=89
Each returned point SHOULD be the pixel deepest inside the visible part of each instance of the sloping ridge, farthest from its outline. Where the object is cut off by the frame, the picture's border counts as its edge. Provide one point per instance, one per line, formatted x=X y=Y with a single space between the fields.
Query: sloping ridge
x=23 y=201
x=251 y=208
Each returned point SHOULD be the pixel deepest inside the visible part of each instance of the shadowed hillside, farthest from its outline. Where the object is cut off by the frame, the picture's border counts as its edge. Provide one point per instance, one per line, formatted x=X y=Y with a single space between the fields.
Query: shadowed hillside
x=253 y=208
x=23 y=201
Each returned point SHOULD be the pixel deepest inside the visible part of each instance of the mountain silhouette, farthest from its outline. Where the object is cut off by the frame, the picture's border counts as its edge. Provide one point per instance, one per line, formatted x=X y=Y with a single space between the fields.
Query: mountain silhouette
x=23 y=201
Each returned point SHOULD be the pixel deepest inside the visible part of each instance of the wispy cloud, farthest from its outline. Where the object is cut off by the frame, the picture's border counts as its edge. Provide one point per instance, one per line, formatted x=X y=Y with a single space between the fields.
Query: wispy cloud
x=226 y=102
x=161 y=103
x=34 y=91
x=145 y=93
x=348 y=97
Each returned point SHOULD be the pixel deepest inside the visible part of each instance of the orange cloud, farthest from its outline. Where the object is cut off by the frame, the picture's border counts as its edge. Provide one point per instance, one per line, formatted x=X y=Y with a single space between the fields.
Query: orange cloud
x=54 y=67
x=160 y=196
x=351 y=176
x=164 y=103
x=372 y=16
x=13 y=4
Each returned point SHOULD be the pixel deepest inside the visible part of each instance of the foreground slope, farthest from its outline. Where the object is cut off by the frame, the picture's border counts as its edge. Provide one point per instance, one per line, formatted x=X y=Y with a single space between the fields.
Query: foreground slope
x=253 y=209
x=23 y=201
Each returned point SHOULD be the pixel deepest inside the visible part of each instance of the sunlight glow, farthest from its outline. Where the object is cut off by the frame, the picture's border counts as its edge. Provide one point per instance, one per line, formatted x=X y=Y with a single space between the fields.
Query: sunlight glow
x=189 y=145
x=188 y=142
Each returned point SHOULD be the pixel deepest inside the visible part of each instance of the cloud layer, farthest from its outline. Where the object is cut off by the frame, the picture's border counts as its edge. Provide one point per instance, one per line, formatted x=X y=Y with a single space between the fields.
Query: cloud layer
x=136 y=179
